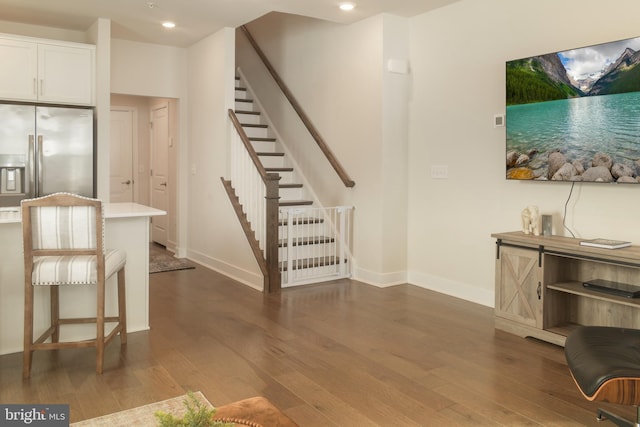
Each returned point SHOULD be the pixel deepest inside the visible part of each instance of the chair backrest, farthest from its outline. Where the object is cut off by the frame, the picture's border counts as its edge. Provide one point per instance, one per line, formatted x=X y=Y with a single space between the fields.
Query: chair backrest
x=62 y=224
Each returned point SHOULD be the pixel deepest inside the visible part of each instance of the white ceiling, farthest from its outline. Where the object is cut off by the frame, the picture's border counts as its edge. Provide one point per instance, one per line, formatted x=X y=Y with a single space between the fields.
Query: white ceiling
x=195 y=19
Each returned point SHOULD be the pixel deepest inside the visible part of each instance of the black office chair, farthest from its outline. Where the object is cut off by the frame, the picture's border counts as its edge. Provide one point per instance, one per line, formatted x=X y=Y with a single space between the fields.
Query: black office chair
x=605 y=365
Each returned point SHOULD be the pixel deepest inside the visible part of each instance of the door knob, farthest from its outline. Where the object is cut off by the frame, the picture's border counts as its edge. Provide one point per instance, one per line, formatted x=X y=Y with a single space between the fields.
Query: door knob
x=164 y=184
x=127 y=182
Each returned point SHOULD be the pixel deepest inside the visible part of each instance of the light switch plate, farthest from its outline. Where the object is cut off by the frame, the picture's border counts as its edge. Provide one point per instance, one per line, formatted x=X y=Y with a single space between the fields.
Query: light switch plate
x=439 y=171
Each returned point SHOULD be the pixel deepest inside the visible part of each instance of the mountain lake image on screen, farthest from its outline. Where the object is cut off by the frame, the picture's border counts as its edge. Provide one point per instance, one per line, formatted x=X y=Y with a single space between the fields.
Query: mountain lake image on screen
x=574 y=115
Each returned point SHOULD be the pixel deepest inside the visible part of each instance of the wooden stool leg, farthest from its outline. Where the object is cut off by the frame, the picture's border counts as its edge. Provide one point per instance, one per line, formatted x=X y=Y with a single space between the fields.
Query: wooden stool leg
x=28 y=331
x=54 y=295
x=122 y=307
x=100 y=326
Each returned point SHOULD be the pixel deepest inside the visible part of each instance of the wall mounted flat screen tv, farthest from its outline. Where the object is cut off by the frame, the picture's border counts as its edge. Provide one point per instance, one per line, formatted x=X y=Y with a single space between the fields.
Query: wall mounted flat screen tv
x=575 y=115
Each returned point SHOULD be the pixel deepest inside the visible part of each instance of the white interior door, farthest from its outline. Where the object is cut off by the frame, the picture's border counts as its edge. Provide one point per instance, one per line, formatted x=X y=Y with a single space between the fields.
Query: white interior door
x=121 y=155
x=160 y=171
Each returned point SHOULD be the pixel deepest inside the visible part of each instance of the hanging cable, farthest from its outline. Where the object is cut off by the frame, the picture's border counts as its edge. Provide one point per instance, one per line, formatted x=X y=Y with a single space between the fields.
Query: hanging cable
x=564 y=217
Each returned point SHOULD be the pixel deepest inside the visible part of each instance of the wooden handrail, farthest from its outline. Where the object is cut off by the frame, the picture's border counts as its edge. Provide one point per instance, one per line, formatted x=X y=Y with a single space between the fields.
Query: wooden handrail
x=348 y=182
x=247 y=144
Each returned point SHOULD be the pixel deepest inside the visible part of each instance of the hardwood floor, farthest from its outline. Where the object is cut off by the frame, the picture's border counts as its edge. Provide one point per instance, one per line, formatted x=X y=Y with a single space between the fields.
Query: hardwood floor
x=337 y=354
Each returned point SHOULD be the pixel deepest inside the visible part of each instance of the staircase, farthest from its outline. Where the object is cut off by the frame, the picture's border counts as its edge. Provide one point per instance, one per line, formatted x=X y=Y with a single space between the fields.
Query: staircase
x=307 y=250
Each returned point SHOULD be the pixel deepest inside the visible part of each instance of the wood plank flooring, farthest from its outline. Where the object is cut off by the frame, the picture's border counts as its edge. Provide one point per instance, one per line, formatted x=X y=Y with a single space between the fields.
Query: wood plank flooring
x=337 y=354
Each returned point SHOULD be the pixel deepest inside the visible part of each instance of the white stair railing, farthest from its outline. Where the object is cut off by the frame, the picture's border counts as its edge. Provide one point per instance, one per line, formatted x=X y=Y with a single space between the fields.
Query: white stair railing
x=315 y=244
x=250 y=188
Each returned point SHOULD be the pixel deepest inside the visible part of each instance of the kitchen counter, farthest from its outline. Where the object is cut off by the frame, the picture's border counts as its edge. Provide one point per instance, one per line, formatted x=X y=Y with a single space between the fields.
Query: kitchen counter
x=126 y=227
x=111 y=210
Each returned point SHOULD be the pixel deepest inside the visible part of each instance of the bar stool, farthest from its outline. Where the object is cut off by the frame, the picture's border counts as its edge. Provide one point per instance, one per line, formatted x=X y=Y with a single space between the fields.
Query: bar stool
x=63 y=238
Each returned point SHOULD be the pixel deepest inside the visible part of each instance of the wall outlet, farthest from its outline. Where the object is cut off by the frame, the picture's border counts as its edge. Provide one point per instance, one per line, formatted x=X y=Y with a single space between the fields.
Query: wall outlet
x=439 y=171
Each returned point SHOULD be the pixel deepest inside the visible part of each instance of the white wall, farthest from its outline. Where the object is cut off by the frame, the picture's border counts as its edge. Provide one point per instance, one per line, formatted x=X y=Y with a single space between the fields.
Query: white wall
x=100 y=35
x=215 y=235
x=458 y=55
x=44 y=32
x=395 y=127
x=148 y=69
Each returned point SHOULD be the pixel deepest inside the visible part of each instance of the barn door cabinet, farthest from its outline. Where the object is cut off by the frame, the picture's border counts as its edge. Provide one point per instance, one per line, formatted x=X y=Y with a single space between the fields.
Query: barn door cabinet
x=48 y=71
x=539 y=291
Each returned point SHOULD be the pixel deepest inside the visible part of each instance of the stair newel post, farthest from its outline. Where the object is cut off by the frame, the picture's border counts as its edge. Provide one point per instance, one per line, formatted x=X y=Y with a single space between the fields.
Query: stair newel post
x=273 y=280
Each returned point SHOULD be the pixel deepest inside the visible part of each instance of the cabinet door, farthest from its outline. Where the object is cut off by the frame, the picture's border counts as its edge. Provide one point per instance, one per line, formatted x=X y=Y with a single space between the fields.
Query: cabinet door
x=65 y=74
x=519 y=286
x=18 y=69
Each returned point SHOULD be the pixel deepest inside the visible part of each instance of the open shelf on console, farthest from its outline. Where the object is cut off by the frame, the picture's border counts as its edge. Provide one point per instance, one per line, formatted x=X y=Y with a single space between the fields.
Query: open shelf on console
x=576 y=288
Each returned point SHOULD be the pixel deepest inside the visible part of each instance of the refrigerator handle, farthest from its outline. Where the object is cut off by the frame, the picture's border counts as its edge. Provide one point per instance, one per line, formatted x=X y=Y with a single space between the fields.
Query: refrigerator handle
x=32 y=166
x=40 y=159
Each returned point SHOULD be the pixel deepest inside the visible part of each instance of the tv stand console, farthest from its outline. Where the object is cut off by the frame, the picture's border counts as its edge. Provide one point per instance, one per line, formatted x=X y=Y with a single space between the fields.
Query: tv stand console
x=539 y=291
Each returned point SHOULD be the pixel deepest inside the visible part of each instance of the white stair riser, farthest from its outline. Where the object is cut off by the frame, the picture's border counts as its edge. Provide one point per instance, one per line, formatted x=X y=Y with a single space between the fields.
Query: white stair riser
x=272 y=161
x=242 y=94
x=291 y=194
x=253 y=132
x=303 y=230
x=286 y=177
x=307 y=251
x=264 y=146
x=253 y=119
x=245 y=106
x=308 y=231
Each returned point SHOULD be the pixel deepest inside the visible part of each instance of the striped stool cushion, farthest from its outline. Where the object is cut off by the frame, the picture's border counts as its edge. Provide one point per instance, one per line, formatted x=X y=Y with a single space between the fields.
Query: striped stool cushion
x=63 y=227
x=74 y=270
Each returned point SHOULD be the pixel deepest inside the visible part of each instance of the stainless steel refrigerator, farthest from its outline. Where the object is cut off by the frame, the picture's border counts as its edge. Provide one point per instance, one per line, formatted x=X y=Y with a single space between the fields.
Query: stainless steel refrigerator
x=44 y=150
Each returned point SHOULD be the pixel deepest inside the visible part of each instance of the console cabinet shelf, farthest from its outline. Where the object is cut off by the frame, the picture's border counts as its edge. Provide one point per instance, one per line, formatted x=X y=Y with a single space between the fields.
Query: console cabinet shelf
x=539 y=292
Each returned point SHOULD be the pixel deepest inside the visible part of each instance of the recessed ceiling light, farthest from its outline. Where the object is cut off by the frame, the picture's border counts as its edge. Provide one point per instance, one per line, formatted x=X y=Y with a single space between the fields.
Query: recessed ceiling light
x=347 y=6
x=168 y=24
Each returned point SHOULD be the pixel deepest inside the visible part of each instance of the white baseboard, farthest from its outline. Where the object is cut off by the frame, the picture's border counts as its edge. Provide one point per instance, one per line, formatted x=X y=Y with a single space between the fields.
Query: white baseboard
x=380 y=280
x=245 y=277
x=454 y=289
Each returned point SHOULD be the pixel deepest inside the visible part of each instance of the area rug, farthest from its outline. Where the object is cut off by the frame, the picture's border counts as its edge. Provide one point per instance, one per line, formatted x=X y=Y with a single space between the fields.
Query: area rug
x=142 y=415
x=159 y=262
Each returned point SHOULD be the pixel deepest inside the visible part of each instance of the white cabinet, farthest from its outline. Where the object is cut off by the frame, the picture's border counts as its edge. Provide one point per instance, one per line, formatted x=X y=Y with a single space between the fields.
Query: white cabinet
x=52 y=72
x=65 y=74
x=18 y=72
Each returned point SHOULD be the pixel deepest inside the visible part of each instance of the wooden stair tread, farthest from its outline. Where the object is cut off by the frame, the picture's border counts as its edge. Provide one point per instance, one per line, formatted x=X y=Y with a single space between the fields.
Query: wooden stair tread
x=305 y=241
x=283 y=169
x=254 y=125
x=295 y=202
x=270 y=153
x=256 y=138
x=311 y=262
x=244 y=100
x=290 y=186
x=241 y=89
x=254 y=113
